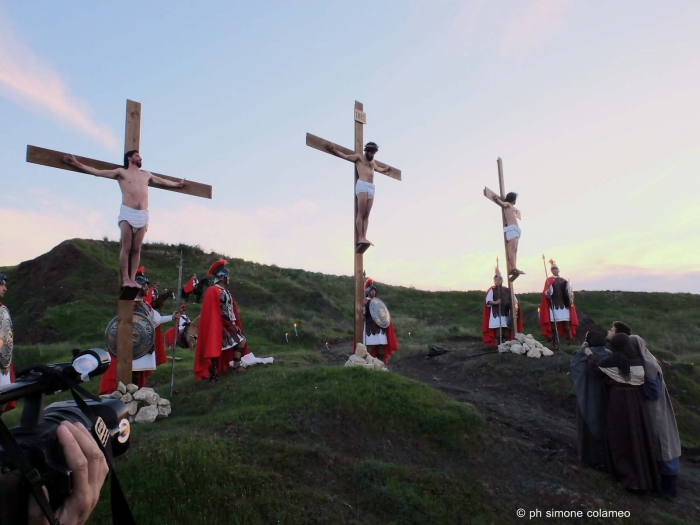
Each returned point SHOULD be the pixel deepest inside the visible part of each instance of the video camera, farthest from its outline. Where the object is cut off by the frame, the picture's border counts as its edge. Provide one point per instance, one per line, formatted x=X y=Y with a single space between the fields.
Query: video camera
x=31 y=453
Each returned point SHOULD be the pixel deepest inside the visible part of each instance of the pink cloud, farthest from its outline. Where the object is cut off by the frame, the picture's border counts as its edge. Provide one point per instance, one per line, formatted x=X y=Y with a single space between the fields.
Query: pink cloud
x=530 y=28
x=27 y=79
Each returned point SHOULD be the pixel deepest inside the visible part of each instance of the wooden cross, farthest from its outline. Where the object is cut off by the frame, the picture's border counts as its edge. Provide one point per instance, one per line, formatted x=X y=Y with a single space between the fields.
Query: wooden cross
x=490 y=195
x=132 y=141
x=322 y=145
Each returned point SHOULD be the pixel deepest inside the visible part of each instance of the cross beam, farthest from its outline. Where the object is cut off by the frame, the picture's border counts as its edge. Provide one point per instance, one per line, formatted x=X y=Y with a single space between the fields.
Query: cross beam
x=125 y=305
x=490 y=196
x=321 y=144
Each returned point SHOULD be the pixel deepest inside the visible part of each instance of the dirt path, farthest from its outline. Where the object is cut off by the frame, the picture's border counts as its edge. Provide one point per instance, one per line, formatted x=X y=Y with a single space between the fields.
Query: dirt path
x=528 y=457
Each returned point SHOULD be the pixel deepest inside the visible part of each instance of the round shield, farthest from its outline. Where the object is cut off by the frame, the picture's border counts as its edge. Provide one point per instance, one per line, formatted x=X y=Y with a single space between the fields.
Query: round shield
x=380 y=313
x=144 y=336
x=6 y=339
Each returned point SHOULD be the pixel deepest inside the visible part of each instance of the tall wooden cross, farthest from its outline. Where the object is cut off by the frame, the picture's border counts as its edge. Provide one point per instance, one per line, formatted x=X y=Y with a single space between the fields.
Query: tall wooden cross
x=489 y=195
x=125 y=305
x=322 y=145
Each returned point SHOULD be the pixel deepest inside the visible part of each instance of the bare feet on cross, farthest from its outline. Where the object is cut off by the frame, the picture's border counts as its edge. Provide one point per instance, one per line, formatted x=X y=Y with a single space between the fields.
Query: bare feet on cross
x=364 y=241
x=130 y=283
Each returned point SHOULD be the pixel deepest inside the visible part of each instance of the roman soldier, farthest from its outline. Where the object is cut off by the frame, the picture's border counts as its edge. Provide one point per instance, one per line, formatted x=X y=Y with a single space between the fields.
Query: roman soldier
x=190 y=286
x=143 y=366
x=380 y=342
x=184 y=323
x=152 y=293
x=7 y=370
x=495 y=322
x=557 y=307
x=220 y=338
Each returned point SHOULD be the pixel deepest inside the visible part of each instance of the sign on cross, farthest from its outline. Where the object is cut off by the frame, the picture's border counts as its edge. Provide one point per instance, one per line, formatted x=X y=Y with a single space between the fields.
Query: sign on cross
x=490 y=195
x=132 y=141
x=323 y=145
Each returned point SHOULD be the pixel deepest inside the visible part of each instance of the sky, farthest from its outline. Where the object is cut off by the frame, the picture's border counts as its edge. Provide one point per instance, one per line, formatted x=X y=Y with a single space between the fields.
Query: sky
x=593 y=107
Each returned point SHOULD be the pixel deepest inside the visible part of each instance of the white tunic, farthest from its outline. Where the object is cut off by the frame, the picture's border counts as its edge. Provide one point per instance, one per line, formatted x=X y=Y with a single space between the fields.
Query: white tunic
x=496 y=322
x=5 y=379
x=148 y=362
x=558 y=314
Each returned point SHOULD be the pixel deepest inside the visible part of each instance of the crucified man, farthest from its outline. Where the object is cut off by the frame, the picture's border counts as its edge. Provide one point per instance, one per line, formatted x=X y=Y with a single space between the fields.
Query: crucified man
x=133 y=214
x=512 y=232
x=364 y=189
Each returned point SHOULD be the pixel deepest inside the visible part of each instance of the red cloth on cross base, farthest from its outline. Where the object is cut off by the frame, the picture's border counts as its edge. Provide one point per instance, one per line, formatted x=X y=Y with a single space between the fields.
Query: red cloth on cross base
x=12 y=404
x=209 y=337
x=189 y=287
x=108 y=380
x=487 y=334
x=545 y=320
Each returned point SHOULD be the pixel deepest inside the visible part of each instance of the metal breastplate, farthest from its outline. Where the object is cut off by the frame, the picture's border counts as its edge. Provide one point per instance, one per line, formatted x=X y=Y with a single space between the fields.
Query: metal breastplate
x=6 y=339
x=504 y=296
x=226 y=302
x=560 y=295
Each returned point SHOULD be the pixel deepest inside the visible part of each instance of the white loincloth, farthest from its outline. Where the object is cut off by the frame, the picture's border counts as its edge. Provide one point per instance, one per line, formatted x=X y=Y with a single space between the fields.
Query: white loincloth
x=137 y=219
x=364 y=187
x=512 y=232
x=5 y=378
x=373 y=339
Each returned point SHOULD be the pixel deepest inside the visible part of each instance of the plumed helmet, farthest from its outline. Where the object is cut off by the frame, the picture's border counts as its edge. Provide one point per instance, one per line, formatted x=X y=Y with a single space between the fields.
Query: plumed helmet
x=218 y=270
x=497 y=273
x=183 y=306
x=369 y=285
x=140 y=277
x=553 y=264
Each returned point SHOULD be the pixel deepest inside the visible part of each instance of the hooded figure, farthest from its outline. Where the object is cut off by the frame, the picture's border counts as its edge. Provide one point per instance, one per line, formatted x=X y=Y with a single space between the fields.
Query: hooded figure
x=591 y=401
x=629 y=431
x=663 y=419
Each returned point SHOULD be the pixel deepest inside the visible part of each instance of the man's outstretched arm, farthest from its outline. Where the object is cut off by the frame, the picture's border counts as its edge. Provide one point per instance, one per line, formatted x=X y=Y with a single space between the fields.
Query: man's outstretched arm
x=107 y=174
x=169 y=183
x=332 y=149
x=383 y=170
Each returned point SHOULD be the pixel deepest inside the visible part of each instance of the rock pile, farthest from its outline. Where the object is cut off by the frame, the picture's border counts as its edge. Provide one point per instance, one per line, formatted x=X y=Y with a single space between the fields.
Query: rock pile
x=363 y=358
x=525 y=344
x=145 y=406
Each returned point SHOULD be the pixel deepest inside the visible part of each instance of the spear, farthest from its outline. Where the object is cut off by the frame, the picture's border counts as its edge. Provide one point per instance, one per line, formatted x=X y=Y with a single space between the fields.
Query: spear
x=555 y=336
x=176 y=335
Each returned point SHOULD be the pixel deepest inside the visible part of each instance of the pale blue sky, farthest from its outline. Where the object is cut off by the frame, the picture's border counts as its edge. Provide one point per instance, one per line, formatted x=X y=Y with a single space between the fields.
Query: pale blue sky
x=593 y=107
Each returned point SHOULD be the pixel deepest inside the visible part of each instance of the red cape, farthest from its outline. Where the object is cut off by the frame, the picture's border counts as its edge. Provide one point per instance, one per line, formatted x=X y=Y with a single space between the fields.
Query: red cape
x=170 y=336
x=545 y=321
x=189 y=287
x=391 y=346
x=209 y=336
x=487 y=335
x=108 y=380
x=149 y=297
x=12 y=404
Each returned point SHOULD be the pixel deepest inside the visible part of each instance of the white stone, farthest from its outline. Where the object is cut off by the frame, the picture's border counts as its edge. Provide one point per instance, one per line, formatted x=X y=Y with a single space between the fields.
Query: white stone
x=534 y=352
x=163 y=402
x=520 y=338
x=539 y=345
x=117 y=394
x=503 y=348
x=147 y=415
x=517 y=349
x=132 y=407
x=546 y=352
x=526 y=347
x=131 y=388
x=360 y=350
x=164 y=411
x=121 y=387
x=142 y=394
x=127 y=398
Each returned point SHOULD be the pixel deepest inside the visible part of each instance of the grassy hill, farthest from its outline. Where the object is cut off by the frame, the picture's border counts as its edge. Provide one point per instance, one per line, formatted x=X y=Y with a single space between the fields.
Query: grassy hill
x=455 y=439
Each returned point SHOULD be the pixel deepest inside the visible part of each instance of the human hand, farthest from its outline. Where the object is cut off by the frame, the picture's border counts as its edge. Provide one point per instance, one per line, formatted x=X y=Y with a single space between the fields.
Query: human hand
x=331 y=147
x=87 y=462
x=388 y=169
x=588 y=351
x=176 y=315
x=70 y=159
x=184 y=184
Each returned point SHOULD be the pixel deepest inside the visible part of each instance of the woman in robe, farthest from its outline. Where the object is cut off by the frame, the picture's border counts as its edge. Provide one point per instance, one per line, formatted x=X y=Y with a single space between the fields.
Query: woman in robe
x=591 y=401
x=663 y=419
x=629 y=432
